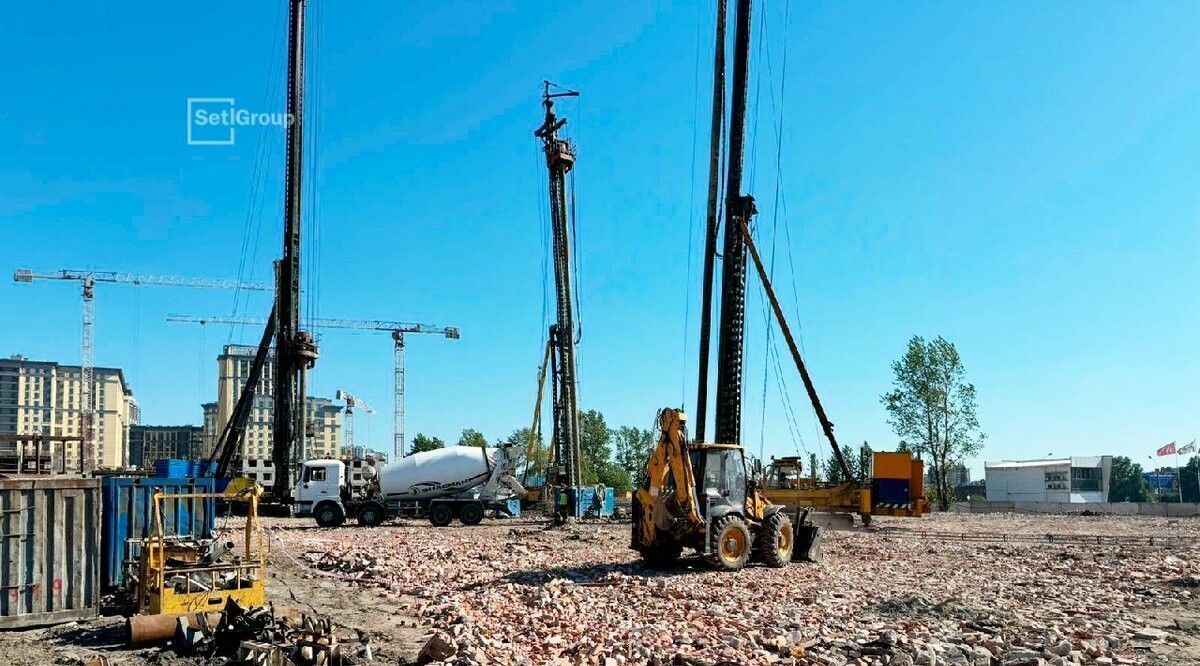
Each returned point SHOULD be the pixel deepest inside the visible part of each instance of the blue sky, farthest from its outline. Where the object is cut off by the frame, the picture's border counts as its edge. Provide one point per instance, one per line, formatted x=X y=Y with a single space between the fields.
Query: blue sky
x=1020 y=178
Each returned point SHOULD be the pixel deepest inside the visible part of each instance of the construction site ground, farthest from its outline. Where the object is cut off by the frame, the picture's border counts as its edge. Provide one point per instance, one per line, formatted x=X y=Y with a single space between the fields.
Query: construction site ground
x=953 y=589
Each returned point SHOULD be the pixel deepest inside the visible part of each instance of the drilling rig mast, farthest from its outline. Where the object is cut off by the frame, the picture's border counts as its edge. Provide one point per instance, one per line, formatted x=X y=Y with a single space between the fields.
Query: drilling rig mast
x=295 y=350
x=560 y=158
x=739 y=208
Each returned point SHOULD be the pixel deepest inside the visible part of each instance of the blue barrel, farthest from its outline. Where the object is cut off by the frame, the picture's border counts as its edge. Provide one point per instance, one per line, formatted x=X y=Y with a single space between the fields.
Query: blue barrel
x=127 y=514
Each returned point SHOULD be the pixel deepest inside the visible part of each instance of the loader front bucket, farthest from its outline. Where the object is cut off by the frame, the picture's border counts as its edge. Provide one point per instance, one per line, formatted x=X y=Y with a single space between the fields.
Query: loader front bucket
x=808 y=544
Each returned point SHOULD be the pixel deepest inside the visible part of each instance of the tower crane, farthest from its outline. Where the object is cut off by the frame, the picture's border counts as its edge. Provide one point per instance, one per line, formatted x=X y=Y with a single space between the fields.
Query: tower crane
x=397 y=329
x=88 y=280
x=352 y=403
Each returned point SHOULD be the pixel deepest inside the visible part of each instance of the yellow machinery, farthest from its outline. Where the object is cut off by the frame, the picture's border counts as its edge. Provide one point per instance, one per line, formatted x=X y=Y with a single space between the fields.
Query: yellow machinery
x=896 y=488
x=700 y=496
x=186 y=577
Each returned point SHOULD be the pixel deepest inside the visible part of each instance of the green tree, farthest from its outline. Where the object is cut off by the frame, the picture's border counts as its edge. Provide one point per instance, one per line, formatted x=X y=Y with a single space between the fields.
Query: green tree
x=472 y=437
x=424 y=442
x=632 y=448
x=1188 y=480
x=933 y=406
x=865 y=458
x=533 y=457
x=614 y=476
x=833 y=470
x=595 y=446
x=1126 y=481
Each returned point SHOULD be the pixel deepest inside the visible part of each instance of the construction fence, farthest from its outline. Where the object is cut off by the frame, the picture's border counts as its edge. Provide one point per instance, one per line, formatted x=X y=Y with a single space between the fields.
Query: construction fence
x=1180 y=510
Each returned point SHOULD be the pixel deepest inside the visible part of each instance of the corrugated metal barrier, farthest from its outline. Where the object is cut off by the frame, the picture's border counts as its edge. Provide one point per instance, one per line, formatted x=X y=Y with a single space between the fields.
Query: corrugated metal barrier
x=127 y=517
x=49 y=555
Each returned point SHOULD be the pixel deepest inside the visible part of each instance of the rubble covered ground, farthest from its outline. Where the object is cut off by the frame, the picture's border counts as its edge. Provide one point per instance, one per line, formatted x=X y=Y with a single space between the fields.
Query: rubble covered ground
x=904 y=592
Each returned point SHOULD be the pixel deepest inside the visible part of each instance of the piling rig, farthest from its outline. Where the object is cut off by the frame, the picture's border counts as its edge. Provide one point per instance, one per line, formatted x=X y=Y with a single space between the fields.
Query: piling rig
x=565 y=475
x=696 y=494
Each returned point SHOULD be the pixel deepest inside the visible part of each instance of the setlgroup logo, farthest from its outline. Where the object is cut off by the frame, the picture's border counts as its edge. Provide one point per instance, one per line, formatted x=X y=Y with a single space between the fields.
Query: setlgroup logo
x=214 y=121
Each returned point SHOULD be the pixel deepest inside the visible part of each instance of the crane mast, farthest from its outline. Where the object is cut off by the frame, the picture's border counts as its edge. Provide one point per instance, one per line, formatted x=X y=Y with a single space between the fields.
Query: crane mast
x=560 y=158
x=352 y=403
x=87 y=347
x=295 y=351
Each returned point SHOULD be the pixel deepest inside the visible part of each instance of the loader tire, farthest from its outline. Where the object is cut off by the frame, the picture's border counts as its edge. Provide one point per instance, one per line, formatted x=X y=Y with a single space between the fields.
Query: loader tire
x=775 y=541
x=730 y=543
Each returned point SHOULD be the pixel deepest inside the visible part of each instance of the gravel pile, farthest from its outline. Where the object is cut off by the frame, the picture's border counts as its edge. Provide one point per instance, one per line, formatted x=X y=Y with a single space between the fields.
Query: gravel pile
x=522 y=594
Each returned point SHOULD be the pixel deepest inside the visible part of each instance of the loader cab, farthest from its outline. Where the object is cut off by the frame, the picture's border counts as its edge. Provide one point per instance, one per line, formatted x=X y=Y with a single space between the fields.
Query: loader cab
x=319 y=479
x=720 y=477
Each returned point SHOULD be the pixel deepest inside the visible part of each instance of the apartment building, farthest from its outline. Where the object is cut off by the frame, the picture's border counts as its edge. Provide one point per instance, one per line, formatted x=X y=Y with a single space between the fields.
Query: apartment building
x=324 y=418
x=46 y=397
x=149 y=443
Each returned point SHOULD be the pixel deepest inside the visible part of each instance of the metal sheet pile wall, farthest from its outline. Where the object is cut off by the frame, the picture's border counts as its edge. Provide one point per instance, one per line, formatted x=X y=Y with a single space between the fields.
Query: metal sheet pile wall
x=49 y=551
x=127 y=515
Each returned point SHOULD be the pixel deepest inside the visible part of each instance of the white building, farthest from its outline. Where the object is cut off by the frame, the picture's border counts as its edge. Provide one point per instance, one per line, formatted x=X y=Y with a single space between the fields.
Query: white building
x=1076 y=479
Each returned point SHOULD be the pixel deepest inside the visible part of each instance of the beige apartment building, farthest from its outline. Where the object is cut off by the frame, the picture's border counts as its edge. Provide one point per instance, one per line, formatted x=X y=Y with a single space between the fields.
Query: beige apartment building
x=43 y=397
x=233 y=369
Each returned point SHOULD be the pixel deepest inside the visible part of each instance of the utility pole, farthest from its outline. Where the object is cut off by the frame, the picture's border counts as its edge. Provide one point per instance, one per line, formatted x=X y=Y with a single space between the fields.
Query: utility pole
x=739 y=208
x=713 y=224
x=294 y=349
x=560 y=158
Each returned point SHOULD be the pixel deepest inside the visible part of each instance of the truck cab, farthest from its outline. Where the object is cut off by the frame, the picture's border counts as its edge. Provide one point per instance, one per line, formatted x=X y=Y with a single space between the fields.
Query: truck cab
x=319 y=492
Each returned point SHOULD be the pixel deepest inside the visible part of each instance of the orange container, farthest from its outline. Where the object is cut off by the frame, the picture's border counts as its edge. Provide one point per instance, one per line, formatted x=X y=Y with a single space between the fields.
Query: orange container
x=890 y=465
x=917 y=487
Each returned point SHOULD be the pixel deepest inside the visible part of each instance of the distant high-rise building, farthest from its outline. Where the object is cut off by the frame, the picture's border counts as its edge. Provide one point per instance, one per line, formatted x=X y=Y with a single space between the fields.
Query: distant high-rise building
x=956 y=475
x=324 y=418
x=149 y=443
x=43 y=397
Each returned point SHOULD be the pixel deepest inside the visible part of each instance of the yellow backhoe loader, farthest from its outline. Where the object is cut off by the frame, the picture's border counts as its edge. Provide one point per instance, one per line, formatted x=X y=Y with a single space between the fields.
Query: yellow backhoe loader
x=700 y=496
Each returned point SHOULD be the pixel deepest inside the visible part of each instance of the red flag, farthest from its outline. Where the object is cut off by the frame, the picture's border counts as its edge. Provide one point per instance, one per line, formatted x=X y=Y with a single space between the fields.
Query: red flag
x=1167 y=450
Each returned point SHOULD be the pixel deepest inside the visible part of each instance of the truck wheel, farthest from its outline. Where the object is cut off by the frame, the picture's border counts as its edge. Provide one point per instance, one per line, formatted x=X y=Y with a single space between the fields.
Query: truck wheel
x=329 y=515
x=470 y=514
x=775 y=541
x=730 y=543
x=370 y=516
x=441 y=515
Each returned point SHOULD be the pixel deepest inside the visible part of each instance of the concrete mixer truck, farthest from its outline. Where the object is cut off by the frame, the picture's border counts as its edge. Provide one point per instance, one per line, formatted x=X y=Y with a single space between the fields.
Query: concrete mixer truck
x=463 y=482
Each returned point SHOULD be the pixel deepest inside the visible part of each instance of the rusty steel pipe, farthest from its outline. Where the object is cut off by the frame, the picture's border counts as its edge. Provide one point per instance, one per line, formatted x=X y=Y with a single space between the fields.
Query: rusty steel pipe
x=146 y=630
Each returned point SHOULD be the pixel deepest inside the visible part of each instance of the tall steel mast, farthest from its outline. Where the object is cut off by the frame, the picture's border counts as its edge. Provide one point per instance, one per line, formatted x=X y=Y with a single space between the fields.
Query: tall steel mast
x=739 y=208
x=713 y=223
x=294 y=348
x=560 y=158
